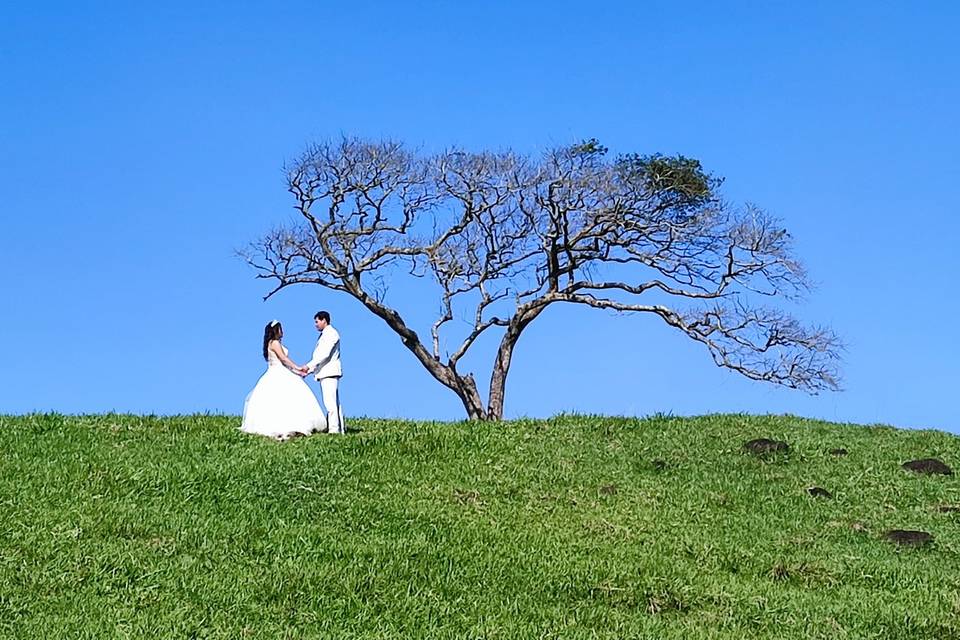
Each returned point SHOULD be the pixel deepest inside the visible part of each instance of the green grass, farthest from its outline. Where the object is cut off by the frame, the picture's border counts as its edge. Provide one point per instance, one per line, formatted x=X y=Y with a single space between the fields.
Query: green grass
x=140 y=527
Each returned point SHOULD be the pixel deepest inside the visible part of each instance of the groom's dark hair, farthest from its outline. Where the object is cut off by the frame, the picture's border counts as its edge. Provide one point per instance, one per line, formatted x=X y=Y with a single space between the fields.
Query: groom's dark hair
x=322 y=315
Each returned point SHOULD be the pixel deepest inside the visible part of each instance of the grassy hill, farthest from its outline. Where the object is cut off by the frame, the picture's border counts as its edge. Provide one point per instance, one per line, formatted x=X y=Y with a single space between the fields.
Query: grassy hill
x=576 y=527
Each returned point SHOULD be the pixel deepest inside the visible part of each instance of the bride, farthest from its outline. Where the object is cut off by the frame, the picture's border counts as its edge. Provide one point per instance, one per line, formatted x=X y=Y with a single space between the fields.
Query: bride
x=281 y=405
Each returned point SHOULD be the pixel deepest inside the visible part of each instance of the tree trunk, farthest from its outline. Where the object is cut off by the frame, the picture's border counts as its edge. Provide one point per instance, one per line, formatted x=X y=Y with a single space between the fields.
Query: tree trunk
x=501 y=365
x=470 y=397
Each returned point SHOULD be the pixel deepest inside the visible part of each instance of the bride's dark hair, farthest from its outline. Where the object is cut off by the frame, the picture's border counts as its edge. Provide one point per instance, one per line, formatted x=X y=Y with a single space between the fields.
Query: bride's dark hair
x=270 y=332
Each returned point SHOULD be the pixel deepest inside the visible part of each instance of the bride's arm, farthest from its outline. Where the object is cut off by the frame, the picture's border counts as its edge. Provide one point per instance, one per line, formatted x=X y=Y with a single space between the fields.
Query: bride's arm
x=287 y=362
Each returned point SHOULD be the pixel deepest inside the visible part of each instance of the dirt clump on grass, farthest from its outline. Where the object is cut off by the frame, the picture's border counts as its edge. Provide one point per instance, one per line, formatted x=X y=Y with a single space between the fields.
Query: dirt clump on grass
x=906 y=538
x=928 y=466
x=762 y=446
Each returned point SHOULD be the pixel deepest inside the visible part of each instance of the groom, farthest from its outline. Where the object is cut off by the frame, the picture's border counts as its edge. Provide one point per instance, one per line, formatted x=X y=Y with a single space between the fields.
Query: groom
x=326 y=363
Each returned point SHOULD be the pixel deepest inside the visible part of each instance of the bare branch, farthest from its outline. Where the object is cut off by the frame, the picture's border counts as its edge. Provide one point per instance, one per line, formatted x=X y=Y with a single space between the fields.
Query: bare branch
x=761 y=344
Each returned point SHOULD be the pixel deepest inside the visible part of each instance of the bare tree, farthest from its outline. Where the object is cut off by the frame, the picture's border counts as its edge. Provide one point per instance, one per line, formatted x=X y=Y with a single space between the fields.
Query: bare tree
x=504 y=236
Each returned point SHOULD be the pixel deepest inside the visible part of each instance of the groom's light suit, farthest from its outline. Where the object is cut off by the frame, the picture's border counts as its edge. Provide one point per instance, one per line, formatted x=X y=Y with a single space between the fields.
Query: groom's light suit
x=326 y=363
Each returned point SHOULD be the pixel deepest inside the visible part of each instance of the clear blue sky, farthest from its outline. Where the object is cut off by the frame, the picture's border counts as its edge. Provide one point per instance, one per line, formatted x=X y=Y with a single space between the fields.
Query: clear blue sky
x=140 y=143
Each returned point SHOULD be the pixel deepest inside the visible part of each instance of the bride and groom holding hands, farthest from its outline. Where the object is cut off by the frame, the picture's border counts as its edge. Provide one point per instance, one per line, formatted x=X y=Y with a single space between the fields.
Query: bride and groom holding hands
x=281 y=404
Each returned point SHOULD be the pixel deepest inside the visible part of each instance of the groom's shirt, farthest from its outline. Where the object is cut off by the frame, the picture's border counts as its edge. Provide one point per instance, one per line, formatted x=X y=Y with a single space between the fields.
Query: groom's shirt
x=326 y=355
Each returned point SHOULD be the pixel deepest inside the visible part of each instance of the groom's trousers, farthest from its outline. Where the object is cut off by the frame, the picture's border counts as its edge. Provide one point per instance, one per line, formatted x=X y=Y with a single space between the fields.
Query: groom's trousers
x=331 y=403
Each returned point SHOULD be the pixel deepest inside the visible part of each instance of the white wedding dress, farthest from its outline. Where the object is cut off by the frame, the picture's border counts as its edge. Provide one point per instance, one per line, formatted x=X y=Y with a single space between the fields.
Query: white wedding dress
x=281 y=404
